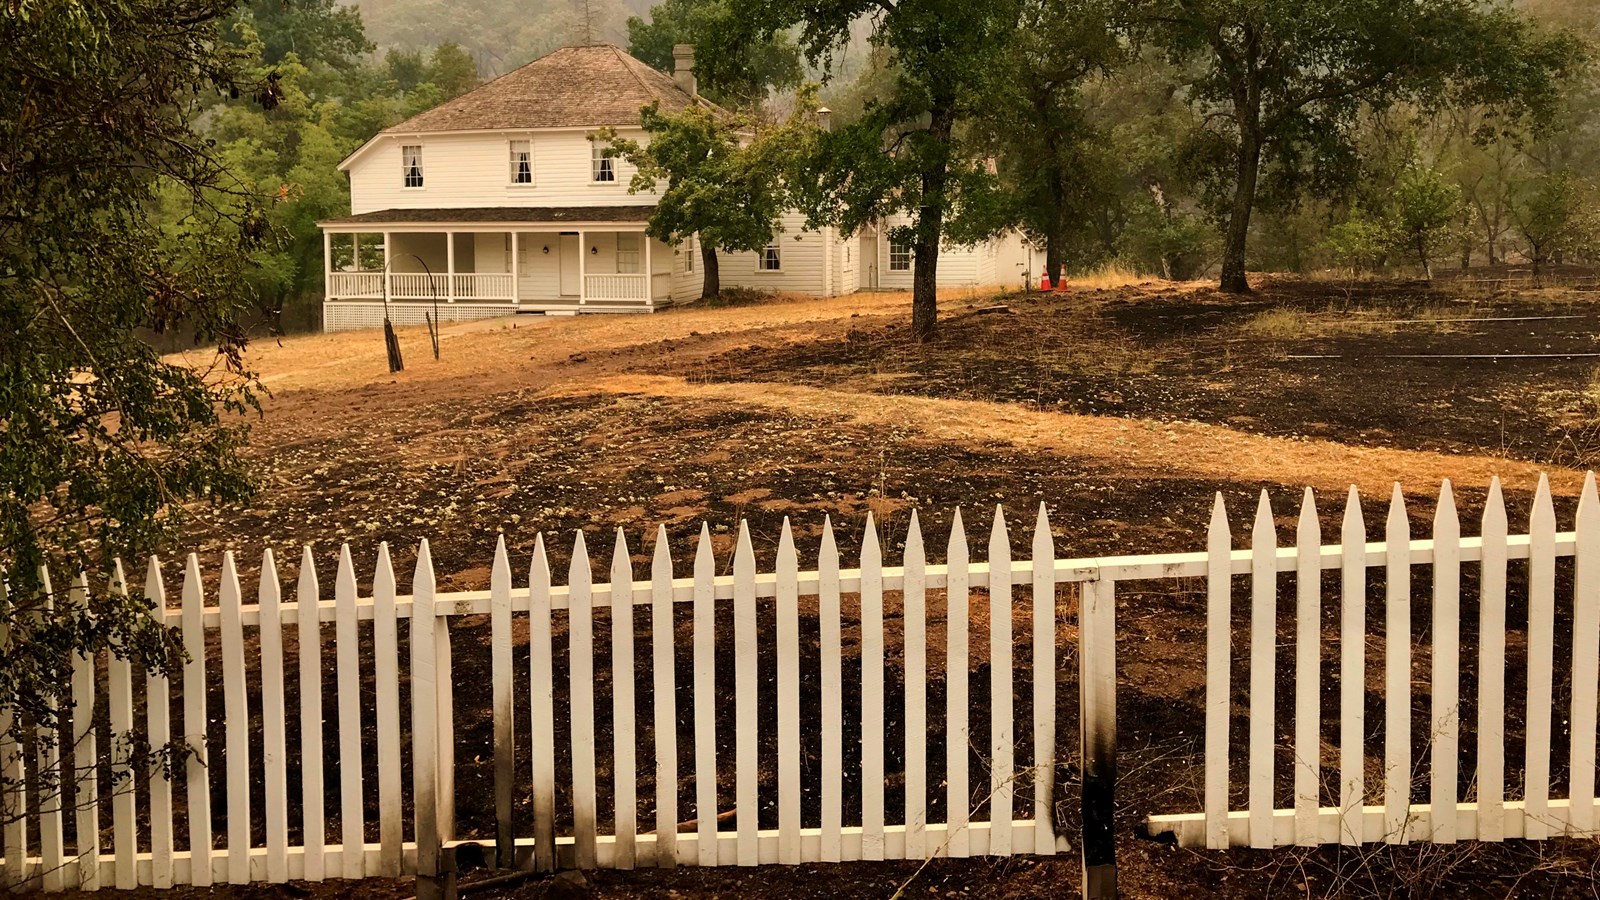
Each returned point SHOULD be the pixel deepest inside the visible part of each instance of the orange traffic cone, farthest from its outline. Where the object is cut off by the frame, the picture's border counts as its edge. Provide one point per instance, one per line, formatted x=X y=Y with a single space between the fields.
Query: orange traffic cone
x=1044 y=281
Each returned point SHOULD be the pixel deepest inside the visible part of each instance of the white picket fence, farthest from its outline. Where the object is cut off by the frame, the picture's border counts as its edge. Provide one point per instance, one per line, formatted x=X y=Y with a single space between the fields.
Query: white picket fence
x=296 y=800
x=1351 y=810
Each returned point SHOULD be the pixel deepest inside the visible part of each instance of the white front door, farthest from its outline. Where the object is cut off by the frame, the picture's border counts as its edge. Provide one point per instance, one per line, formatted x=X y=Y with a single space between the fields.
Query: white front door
x=569 y=265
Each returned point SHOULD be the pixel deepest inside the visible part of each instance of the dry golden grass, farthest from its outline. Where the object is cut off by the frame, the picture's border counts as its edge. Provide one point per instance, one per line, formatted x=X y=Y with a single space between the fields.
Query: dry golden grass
x=1111 y=275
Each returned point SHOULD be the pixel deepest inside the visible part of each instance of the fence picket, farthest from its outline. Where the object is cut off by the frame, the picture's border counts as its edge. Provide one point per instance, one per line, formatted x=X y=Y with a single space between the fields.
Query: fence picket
x=1307 y=673
x=872 y=708
x=1263 y=671
x=386 y=677
x=13 y=777
x=124 y=781
x=1541 y=648
x=957 y=659
x=1585 y=658
x=664 y=659
x=1044 y=686
x=705 y=698
x=198 y=794
x=788 y=614
x=831 y=656
x=308 y=635
x=347 y=660
x=542 y=717
x=52 y=852
x=1397 y=675
x=158 y=729
x=1002 y=711
x=746 y=765
x=236 y=709
x=505 y=754
x=1352 y=670
x=1445 y=684
x=85 y=753
x=1219 y=663
x=915 y=600
x=624 y=772
x=580 y=688
x=273 y=720
x=1492 y=668
x=425 y=727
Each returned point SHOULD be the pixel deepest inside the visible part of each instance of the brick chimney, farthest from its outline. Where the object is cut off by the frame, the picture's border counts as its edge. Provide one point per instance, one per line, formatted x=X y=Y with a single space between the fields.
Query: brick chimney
x=683 y=68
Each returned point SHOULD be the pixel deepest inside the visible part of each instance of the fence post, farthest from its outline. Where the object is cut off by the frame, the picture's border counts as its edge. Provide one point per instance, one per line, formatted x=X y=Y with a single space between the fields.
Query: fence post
x=1097 y=691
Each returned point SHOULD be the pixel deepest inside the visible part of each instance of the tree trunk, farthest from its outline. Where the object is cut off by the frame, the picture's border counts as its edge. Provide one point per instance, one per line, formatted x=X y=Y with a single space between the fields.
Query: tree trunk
x=1244 y=197
x=930 y=221
x=1052 y=258
x=712 y=285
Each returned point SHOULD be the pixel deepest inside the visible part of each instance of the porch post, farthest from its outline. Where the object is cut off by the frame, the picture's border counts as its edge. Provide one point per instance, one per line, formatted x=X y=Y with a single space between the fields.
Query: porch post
x=450 y=265
x=355 y=251
x=516 y=267
x=327 y=266
x=583 y=266
x=649 y=273
x=388 y=239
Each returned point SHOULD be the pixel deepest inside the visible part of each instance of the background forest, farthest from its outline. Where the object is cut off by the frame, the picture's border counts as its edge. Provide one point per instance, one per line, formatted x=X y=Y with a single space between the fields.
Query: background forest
x=1110 y=155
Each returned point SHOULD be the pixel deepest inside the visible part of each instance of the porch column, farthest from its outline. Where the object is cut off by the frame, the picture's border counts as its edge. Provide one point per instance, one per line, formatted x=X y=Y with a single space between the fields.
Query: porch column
x=388 y=240
x=327 y=266
x=649 y=273
x=355 y=251
x=583 y=265
x=516 y=267
x=450 y=266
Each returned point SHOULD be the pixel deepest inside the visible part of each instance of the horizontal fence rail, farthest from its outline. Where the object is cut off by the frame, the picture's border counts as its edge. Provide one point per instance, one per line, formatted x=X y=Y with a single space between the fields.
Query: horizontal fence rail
x=1425 y=798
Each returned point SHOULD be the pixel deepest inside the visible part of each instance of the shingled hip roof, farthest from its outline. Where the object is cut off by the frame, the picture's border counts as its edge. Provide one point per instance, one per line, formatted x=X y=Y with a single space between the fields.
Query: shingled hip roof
x=573 y=87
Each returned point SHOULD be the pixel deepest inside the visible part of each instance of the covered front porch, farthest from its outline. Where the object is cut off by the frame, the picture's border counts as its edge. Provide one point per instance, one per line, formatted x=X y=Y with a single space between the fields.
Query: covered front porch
x=482 y=269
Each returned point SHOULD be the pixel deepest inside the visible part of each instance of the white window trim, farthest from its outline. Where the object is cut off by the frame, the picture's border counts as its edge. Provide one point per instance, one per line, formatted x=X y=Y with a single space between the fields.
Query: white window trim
x=637 y=253
x=761 y=259
x=910 y=255
x=595 y=160
x=405 y=174
x=511 y=167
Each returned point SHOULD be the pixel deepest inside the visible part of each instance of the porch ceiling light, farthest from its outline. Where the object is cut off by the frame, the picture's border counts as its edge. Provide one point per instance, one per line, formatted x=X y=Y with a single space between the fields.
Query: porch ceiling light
x=546 y=249
x=594 y=251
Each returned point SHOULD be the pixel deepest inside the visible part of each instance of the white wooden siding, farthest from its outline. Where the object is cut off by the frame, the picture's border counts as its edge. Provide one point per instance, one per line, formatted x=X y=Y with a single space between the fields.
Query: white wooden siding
x=472 y=170
x=801 y=262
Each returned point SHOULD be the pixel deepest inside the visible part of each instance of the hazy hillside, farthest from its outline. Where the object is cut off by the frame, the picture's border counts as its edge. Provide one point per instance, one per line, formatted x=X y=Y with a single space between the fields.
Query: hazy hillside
x=500 y=34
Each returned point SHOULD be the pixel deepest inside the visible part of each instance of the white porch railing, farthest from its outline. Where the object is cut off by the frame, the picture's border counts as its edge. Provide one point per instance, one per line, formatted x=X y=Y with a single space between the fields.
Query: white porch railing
x=483 y=286
x=416 y=286
x=360 y=285
x=616 y=287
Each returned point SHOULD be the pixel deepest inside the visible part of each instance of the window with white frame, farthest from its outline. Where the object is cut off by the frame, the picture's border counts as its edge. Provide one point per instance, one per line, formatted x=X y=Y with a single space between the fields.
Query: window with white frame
x=411 y=164
x=522 y=162
x=508 y=259
x=771 y=259
x=628 y=254
x=899 y=257
x=688 y=255
x=605 y=168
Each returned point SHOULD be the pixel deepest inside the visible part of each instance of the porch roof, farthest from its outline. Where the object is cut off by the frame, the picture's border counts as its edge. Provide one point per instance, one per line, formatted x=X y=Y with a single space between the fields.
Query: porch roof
x=511 y=215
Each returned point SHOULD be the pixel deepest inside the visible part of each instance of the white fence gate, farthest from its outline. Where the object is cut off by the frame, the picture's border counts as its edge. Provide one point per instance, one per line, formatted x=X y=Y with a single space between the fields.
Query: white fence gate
x=828 y=759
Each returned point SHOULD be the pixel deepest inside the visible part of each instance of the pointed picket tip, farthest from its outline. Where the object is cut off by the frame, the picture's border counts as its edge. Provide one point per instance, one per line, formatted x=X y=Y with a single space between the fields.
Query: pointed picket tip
x=539 y=566
x=119 y=581
x=914 y=536
x=384 y=567
x=1588 y=505
x=1264 y=529
x=1041 y=522
x=1309 y=526
x=307 y=582
x=500 y=569
x=1398 y=516
x=869 y=541
x=999 y=525
x=661 y=561
x=269 y=567
x=619 y=547
x=155 y=590
x=424 y=575
x=1219 y=517
x=1446 y=508
x=578 y=567
x=827 y=534
x=955 y=521
x=1354 y=527
x=1544 y=511
x=743 y=548
x=346 y=576
x=1494 y=506
x=191 y=569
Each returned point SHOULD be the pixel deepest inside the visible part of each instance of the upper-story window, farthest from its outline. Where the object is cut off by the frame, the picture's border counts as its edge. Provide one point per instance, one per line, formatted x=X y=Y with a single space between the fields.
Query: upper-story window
x=628 y=254
x=605 y=168
x=522 y=162
x=411 y=164
x=899 y=257
x=771 y=259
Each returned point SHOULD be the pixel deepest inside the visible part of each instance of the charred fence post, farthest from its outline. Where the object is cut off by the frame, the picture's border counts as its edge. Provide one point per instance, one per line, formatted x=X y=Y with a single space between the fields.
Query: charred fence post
x=1097 y=692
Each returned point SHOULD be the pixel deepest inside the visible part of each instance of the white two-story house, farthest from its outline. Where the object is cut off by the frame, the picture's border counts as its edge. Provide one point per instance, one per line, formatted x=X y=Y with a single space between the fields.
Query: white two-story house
x=498 y=202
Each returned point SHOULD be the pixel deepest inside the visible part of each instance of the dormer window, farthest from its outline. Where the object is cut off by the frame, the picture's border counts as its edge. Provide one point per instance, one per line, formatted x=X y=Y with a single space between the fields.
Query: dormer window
x=605 y=168
x=522 y=162
x=411 y=164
